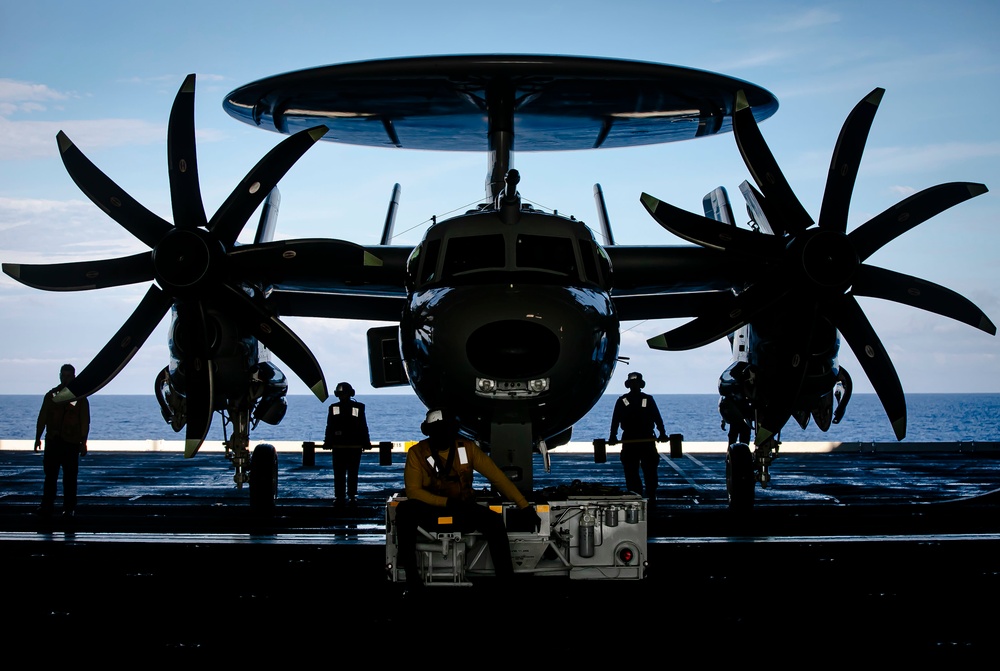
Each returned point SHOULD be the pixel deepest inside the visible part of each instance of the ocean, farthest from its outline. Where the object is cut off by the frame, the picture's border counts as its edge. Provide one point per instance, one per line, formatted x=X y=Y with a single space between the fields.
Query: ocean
x=397 y=417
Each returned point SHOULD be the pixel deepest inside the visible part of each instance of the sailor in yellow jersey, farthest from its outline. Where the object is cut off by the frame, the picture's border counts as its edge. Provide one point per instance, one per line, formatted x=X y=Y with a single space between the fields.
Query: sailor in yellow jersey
x=438 y=477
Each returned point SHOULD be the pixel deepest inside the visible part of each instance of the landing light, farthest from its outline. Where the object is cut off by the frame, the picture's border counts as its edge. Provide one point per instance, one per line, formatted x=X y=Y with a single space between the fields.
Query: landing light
x=539 y=385
x=511 y=388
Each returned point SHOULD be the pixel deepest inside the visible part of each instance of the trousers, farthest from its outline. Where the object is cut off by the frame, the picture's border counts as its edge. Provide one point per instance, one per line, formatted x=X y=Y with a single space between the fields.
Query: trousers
x=642 y=457
x=346 y=462
x=60 y=454
x=467 y=516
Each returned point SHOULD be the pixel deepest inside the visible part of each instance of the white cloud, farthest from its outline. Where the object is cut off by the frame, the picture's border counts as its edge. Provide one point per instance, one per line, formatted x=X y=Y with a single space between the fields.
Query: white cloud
x=84 y=231
x=17 y=96
x=902 y=191
x=810 y=18
x=896 y=160
x=36 y=139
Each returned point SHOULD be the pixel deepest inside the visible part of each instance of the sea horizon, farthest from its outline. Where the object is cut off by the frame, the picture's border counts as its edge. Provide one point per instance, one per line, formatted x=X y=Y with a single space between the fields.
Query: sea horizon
x=945 y=417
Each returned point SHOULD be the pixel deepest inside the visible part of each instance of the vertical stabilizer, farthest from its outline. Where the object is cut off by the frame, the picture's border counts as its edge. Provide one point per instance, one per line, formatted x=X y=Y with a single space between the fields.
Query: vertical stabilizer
x=716 y=206
x=390 y=216
x=602 y=216
x=268 y=217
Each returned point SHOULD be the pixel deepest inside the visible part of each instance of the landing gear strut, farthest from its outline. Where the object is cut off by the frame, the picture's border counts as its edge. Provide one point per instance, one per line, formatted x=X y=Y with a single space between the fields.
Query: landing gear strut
x=763 y=455
x=745 y=468
x=259 y=470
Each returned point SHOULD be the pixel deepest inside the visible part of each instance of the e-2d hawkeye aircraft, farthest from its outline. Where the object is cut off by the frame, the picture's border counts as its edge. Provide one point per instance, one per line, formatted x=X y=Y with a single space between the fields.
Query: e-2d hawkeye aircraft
x=507 y=315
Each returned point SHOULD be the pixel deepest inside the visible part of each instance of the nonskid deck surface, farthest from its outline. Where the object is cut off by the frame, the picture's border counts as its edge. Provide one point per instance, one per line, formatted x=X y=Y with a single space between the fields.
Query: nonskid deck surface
x=152 y=492
x=844 y=556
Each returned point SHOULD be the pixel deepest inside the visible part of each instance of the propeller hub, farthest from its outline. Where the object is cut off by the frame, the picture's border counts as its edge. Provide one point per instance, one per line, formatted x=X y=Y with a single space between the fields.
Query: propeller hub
x=183 y=259
x=827 y=258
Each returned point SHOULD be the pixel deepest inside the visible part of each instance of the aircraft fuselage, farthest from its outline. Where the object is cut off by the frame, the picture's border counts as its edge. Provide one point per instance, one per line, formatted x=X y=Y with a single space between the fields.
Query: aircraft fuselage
x=510 y=323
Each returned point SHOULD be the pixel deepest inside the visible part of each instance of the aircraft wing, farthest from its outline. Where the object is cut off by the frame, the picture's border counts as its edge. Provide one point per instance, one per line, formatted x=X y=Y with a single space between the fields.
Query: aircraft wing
x=664 y=282
x=338 y=304
x=670 y=305
x=644 y=269
x=375 y=292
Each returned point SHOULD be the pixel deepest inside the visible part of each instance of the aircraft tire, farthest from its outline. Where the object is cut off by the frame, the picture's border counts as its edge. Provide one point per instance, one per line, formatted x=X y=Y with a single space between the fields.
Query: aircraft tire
x=739 y=476
x=263 y=479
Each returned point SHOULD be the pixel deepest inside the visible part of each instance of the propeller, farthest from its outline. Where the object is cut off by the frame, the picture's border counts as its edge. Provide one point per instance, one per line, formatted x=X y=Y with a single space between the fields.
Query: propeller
x=196 y=266
x=809 y=273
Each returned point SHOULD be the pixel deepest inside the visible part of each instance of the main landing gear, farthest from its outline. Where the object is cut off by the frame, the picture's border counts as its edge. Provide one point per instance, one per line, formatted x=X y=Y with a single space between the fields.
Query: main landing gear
x=745 y=468
x=258 y=469
x=263 y=479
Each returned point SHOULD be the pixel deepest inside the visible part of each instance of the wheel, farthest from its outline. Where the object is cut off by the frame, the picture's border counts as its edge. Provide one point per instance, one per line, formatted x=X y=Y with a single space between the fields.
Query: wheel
x=739 y=476
x=263 y=478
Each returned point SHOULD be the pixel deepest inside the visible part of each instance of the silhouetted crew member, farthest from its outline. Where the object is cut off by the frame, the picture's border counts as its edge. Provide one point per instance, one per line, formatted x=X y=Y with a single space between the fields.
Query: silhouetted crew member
x=66 y=425
x=347 y=436
x=438 y=477
x=636 y=413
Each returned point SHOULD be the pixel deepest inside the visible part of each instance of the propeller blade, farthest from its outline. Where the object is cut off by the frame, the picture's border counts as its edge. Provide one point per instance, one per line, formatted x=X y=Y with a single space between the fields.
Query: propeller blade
x=84 y=275
x=275 y=335
x=864 y=342
x=110 y=197
x=306 y=260
x=230 y=218
x=781 y=200
x=200 y=384
x=709 y=328
x=909 y=213
x=844 y=164
x=913 y=291
x=193 y=337
x=121 y=348
x=709 y=232
x=182 y=161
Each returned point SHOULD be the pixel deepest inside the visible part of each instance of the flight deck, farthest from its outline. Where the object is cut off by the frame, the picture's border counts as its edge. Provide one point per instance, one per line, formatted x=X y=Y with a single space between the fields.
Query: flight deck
x=888 y=556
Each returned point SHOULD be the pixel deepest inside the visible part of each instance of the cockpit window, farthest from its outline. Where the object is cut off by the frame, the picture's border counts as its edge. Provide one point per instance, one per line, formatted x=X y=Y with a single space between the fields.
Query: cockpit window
x=543 y=252
x=589 y=263
x=430 y=261
x=475 y=252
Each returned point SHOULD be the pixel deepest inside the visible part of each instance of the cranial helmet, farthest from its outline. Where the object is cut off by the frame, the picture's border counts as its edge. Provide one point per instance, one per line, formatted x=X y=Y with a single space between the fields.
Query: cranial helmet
x=634 y=381
x=343 y=390
x=437 y=421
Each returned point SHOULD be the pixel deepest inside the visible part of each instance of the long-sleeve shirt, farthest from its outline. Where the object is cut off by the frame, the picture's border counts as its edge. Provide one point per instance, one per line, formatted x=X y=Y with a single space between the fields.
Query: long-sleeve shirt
x=347 y=426
x=68 y=420
x=636 y=413
x=424 y=482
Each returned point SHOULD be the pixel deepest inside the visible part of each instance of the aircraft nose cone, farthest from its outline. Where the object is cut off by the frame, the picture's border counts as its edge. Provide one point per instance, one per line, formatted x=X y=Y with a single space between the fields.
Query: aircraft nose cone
x=512 y=349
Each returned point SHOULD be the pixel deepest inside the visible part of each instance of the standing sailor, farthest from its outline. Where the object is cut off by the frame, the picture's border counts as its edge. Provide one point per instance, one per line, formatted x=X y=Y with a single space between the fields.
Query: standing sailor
x=636 y=413
x=66 y=425
x=347 y=436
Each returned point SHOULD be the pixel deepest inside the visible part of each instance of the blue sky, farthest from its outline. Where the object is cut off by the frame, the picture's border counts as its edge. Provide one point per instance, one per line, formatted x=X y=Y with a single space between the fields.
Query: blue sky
x=106 y=74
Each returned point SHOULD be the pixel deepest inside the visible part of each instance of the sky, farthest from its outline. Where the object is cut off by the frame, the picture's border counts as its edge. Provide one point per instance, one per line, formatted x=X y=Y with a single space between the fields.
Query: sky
x=106 y=73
